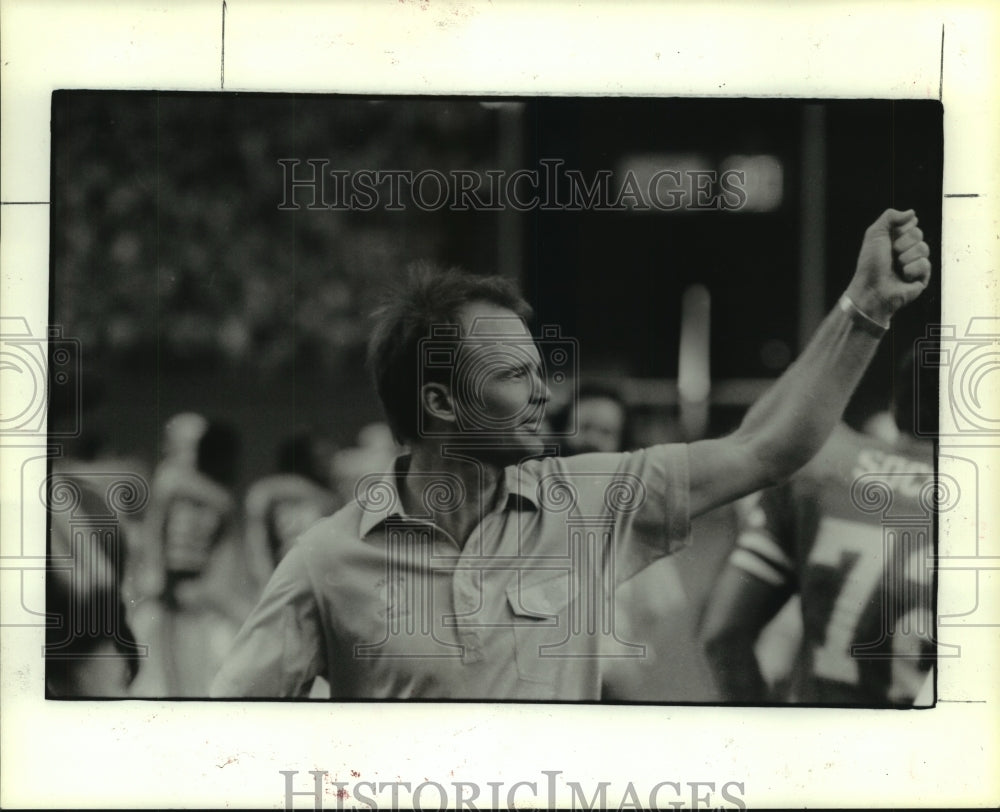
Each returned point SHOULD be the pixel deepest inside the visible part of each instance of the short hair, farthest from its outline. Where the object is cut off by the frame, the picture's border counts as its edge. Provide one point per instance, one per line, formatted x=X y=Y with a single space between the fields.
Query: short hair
x=426 y=297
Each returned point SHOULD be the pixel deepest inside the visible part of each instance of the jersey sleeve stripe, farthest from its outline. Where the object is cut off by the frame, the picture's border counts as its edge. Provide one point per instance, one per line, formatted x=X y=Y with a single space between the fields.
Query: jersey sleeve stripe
x=758 y=567
x=766 y=547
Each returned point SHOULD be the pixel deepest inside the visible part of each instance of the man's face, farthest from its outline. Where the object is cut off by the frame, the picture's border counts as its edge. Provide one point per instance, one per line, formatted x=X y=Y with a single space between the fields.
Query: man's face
x=498 y=387
x=600 y=422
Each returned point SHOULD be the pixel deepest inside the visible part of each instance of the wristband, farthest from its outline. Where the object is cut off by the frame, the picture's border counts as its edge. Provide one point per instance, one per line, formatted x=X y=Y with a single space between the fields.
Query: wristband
x=846 y=303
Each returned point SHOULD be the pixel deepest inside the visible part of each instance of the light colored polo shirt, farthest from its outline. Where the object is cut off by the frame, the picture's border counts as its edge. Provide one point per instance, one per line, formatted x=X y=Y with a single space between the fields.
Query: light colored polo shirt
x=385 y=606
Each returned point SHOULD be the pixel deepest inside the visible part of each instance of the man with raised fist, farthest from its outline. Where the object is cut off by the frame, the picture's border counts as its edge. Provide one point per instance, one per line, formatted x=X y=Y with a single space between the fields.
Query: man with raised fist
x=843 y=553
x=479 y=568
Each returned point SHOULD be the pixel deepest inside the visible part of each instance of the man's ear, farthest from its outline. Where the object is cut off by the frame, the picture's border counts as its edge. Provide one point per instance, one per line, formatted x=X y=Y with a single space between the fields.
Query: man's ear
x=436 y=399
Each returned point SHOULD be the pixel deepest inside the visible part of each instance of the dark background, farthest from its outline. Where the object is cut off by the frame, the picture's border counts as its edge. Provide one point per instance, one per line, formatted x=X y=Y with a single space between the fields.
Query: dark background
x=190 y=289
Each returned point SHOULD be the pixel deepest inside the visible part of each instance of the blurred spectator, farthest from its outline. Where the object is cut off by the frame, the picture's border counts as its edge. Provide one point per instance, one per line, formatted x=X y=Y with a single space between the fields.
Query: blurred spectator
x=864 y=588
x=282 y=505
x=652 y=608
x=90 y=648
x=601 y=421
x=374 y=454
x=220 y=292
x=93 y=501
x=181 y=436
x=178 y=470
x=198 y=569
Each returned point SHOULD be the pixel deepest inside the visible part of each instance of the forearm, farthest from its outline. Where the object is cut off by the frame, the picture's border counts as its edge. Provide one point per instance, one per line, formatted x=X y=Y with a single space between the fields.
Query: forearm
x=787 y=426
x=790 y=423
x=737 y=672
x=738 y=609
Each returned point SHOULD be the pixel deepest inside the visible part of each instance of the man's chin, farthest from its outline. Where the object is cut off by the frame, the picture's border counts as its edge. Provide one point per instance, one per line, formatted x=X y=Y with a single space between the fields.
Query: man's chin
x=508 y=450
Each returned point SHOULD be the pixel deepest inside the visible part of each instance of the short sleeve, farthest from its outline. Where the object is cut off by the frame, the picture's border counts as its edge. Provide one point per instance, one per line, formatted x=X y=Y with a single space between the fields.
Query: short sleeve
x=279 y=650
x=644 y=494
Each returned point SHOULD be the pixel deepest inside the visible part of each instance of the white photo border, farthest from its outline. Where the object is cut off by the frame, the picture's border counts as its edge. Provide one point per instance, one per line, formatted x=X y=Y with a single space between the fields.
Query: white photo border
x=196 y=754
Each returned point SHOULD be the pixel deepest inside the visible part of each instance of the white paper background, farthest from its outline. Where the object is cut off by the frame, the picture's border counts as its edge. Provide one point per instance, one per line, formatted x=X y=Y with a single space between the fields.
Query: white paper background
x=156 y=754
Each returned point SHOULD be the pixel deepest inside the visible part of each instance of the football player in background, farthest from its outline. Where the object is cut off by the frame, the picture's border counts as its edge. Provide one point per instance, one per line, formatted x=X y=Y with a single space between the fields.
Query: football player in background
x=652 y=609
x=350 y=624
x=851 y=535
x=199 y=587
x=282 y=505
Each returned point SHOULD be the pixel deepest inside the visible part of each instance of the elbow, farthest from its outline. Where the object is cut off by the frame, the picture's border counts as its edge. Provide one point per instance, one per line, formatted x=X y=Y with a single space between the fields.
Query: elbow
x=764 y=463
x=777 y=459
x=780 y=446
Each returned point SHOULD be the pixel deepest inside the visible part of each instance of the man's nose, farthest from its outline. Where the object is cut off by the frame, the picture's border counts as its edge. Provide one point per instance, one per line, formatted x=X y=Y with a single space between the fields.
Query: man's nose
x=545 y=394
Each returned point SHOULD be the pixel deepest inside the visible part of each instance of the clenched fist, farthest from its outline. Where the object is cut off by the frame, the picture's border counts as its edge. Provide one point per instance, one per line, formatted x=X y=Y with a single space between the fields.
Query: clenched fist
x=893 y=268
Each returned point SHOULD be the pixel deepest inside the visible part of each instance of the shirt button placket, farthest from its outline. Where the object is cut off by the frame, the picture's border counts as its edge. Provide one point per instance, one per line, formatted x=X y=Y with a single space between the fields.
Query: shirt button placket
x=466 y=593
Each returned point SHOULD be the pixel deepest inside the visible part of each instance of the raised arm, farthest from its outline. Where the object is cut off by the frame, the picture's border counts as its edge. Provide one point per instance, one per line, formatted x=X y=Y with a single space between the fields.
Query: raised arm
x=791 y=421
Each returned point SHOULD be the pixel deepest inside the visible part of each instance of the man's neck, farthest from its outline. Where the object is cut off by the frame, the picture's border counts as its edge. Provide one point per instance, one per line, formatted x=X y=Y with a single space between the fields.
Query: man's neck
x=456 y=491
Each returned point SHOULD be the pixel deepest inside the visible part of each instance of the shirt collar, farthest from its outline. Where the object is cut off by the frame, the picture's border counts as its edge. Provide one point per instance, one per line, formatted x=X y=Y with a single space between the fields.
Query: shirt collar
x=379 y=495
x=519 y=487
